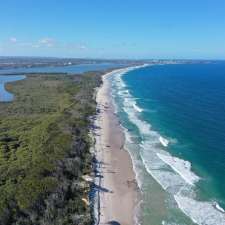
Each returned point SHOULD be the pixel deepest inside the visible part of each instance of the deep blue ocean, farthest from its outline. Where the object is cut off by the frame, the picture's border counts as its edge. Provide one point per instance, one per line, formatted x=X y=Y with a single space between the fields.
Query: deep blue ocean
x=174 y=120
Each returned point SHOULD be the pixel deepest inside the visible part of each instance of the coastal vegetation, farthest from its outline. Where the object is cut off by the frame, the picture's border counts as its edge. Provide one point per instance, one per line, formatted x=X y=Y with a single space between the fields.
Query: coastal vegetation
x=45 y=150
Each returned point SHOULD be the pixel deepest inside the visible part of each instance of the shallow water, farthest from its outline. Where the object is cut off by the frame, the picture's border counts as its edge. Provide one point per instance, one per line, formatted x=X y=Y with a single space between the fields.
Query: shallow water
x=6 y=96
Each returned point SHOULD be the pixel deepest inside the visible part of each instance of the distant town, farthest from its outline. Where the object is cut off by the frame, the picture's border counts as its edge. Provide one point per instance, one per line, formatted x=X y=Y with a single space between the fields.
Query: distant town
x=29 y=62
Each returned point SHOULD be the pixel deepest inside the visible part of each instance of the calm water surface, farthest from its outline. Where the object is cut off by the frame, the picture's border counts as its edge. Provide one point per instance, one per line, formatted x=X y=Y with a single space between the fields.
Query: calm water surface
x=64 y=69
x=5 y=96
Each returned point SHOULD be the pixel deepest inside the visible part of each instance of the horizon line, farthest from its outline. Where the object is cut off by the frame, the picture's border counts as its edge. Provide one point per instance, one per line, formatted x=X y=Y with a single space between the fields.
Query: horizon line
x=113 y=59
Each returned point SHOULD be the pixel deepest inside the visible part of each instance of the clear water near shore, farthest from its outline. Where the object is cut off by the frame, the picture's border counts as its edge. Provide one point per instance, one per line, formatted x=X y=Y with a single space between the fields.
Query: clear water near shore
x=173 y=118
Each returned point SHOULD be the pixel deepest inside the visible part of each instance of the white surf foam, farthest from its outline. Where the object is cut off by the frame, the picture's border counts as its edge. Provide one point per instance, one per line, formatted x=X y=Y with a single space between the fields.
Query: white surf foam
x=219 y=207
x=164 y=141
x=160 y=171
x=138 y=109
x=182 y=167
x=202 y=213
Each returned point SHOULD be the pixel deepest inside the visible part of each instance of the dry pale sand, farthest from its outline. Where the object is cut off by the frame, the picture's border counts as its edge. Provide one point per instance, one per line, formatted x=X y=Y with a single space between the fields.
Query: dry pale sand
x=118 y=190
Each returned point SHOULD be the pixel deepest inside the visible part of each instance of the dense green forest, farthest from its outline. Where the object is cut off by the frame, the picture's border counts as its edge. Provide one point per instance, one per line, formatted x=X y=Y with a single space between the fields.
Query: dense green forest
x=44 y=150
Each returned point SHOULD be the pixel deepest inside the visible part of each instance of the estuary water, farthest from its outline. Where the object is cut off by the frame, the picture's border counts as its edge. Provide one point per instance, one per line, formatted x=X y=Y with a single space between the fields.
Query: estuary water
x=5 y=96
x=70 y=69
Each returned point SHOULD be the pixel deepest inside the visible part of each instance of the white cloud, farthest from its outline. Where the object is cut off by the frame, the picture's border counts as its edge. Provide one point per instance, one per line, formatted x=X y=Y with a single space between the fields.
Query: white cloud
x=35 y=46
x=44 y=44
x=83 y=47
x=75 y=47
x=13 y=40
x=47 y=42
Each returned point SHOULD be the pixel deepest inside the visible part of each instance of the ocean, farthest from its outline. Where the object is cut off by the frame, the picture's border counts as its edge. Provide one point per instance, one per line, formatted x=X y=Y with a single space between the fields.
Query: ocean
x=173 y=117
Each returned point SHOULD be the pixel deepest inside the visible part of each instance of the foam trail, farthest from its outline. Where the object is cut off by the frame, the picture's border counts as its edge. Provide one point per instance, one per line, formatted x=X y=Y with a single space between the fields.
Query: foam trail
x=183 y=168
x=164 y=141
x=219 y=207
x=202 y=213
x=138 y=109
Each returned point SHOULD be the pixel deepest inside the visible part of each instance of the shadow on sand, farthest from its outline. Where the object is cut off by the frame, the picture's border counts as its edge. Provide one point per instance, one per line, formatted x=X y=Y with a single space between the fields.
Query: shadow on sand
x=113 y=223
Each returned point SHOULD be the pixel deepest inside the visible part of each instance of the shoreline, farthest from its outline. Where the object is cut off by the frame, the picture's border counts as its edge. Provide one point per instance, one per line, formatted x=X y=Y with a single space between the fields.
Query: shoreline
x=188 y=207
x=115 y=180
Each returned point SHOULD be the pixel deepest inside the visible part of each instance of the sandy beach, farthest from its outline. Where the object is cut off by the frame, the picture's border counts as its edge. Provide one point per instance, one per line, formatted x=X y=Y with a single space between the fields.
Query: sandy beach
x=117 y=186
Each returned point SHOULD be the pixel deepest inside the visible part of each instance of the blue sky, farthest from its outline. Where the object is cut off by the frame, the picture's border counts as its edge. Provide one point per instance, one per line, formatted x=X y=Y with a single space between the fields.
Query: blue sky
x=113 y=28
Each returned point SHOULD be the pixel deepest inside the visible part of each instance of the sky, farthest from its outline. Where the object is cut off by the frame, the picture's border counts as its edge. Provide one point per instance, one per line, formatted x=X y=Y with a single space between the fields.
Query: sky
x=133 y=29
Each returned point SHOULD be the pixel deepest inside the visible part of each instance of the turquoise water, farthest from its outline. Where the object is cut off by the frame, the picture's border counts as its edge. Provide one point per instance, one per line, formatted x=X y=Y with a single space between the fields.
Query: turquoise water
x=5 y=96
x=174 y=121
